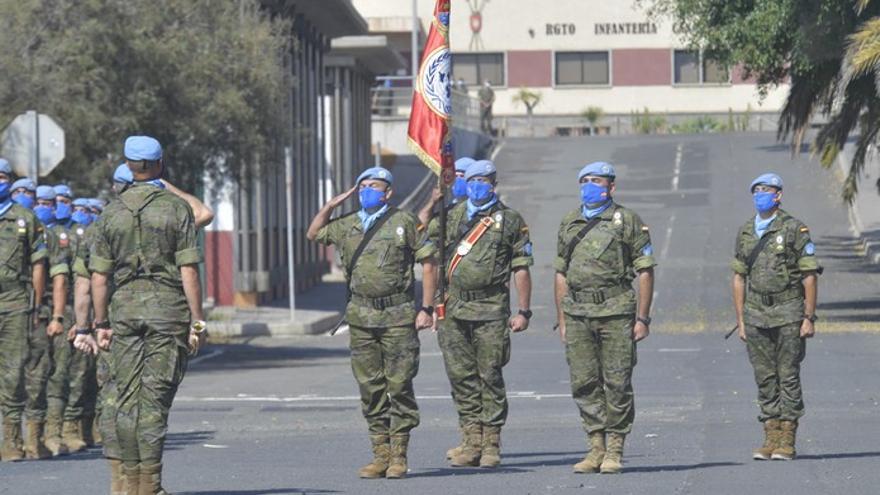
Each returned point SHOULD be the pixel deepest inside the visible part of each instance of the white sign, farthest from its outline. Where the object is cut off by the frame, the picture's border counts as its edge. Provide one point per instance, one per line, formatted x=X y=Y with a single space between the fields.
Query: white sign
x=34 y=144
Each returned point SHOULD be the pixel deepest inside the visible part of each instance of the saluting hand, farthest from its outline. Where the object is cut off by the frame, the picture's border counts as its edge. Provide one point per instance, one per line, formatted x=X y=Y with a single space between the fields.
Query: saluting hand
x=339 y=199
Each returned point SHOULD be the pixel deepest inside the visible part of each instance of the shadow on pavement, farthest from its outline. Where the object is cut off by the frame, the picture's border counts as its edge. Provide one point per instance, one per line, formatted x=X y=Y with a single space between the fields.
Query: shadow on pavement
x=842 y=455
x=245 y=356
x=270 y=491
x=443 y=472
x=545 y=454
x=679 y=467
x=176 y=441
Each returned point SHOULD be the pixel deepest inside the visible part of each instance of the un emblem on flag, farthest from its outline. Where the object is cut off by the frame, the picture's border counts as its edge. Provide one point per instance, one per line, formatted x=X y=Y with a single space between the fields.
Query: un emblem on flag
x=434 y=81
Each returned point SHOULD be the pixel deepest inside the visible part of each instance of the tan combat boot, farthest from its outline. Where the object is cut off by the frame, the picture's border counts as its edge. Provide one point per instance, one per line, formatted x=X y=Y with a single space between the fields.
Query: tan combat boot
x=131 y=478
x=593 y=461
x=784 y=451
x=33 y=442
x=613 y=454
x=490 y=457
x=151 y=480
x=397 y=467
x=771 y=441
x=11 y=450
x=71 y=436
x=117 y=480
x=381 y=458
x=454 y=451
x=52 y=435
x=473 y=445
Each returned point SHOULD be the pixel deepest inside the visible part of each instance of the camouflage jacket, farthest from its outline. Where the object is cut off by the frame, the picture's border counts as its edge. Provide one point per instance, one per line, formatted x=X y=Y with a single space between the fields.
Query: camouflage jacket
x=602 y=266
x=81 y=245
x=57 y=240
x=480 y=286
x=775 y=294
x=22 y=244
x=382 y=284
x=142 y=240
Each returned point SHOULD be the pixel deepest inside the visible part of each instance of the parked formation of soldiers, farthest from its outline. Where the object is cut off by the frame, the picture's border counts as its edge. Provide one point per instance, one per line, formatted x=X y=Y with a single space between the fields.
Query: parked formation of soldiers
x=602 y=249
x=78 y=274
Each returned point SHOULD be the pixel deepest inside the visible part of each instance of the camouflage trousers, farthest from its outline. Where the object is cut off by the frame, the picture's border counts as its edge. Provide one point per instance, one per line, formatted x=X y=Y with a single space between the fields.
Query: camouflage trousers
x=474 y=353
x=601 y=356
x=147 y=362
x=384 y=362
x=24 y=366
x=105 y=410
x=776 y=355
x=70 y=389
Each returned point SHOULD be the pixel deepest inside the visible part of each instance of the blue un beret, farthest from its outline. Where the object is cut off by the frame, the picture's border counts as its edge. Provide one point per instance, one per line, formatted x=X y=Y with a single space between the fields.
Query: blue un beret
x=462 y=164
x=46 y=192
x=82 y=202
x=139 y=148
x=95 y=204
x=377 y=173
x=122 y=174
x=768 y=179
x=63 y=190
x=480 y=168
x=25 y=183
x=597 y=169
x=5 y=167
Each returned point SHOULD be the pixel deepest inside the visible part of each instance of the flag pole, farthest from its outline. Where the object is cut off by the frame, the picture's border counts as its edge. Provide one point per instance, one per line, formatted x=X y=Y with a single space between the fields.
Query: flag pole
x=441 y=249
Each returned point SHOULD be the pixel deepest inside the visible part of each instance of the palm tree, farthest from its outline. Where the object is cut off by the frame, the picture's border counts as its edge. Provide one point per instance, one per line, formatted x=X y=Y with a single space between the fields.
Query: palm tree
x=530 y=99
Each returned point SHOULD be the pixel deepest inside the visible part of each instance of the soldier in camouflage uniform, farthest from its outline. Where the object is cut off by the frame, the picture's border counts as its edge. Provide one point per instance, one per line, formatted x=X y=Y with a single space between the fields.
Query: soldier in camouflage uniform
x=381 y=314
x=43 y=426
x=774 y=294
x=147 y=242
x=22 y=278
x=475 y=336
x=599 y=317
x=458 y=190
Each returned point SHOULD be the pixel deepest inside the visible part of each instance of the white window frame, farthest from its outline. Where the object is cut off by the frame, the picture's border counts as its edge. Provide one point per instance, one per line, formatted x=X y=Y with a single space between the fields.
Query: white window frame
x=609 y=84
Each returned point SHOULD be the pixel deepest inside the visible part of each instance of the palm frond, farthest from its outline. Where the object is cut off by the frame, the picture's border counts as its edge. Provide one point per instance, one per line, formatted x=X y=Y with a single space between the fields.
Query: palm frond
x=863 y=49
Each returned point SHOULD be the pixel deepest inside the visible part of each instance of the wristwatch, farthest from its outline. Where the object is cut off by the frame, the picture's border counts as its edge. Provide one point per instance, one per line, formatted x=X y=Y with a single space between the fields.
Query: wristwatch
x=102 y=325
x=526 y=313
x=646 y=321
x=428 y=309
x=83 y=331
x=199 y=326
x=58 y=318
x=812 y=318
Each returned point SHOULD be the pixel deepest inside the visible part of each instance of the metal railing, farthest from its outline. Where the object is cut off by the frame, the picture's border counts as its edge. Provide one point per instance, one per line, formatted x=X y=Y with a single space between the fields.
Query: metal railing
x=391 y=98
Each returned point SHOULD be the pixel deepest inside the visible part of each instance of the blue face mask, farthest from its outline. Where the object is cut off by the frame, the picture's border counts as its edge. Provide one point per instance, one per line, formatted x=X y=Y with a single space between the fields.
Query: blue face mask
x=62 y=211
x=764 y=201
x=479 y=192
x=24 y=200
x=371 y=198
x=593 y=194
x=459 y=187
x=46 y=214
x=81 y=217
x=4 y=190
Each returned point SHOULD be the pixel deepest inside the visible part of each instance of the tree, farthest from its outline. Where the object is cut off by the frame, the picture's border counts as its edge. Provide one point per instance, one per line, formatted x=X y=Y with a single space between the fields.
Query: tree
x=530 y=99
x=828 y=50
x=592 y=115
x=204 y=77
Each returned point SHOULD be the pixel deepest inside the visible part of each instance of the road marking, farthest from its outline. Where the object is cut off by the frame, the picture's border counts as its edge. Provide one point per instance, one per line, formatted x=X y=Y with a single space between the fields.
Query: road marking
x=677 y=173
x=665 y=250
x=686 y=349
x=351 y=398
x=343 y=329
x=205 y=357
x=497 y=150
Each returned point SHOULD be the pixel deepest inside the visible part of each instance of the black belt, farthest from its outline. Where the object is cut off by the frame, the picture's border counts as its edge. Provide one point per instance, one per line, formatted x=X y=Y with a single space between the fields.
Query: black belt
x=598 y=296
x=380 y=303
x=774 y=298
x=477 y=294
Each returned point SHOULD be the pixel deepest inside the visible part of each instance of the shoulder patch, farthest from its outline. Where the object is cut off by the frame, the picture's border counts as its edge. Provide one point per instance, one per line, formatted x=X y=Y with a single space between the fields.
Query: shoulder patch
x=21 y=222
x=810 y=249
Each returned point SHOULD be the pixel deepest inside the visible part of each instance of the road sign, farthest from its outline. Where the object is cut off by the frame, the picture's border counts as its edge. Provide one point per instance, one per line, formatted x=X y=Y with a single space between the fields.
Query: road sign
x=33 y=143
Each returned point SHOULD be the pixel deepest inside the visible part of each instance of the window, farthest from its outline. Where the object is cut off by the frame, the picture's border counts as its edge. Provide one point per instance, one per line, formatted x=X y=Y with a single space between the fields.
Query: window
x=474 y=68
x=691 y=67
x=582 y=68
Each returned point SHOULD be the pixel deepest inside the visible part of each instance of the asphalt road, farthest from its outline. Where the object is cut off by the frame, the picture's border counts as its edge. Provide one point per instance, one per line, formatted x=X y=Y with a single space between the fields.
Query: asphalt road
x=282 y=416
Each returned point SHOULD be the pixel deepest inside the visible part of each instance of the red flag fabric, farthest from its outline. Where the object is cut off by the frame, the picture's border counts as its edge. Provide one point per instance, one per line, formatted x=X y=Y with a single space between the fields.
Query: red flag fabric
x=429 y=135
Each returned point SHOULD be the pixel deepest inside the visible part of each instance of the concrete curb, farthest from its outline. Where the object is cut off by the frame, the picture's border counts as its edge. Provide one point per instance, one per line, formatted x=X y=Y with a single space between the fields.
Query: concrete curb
x=314 y=323
x=869 y=245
